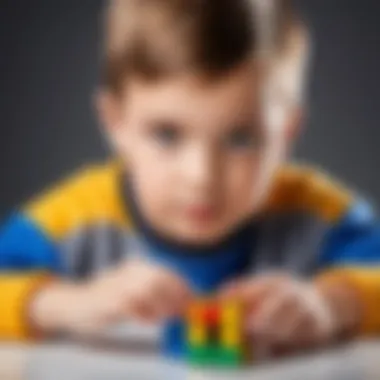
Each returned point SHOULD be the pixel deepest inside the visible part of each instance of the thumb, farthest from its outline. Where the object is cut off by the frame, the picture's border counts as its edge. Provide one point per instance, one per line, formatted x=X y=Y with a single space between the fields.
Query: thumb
x=231 y=290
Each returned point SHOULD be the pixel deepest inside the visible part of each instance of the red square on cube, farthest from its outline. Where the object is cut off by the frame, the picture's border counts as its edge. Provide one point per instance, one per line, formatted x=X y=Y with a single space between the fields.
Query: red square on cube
x=211 y=315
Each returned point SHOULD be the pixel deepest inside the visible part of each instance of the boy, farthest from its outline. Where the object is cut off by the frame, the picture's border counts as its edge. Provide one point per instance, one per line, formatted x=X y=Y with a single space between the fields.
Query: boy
x=201 y=102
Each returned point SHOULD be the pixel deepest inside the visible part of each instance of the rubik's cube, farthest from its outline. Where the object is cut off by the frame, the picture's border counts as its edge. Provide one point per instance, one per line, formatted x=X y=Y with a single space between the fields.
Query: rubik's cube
x=215 y=334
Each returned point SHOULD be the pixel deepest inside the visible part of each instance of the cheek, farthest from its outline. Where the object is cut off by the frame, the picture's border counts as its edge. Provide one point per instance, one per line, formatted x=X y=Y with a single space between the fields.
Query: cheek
x=153 y=176
x=240 y=183
x=272 y=157
x=146 y=160
x=247 y=179
x=152 y=196
x=275 y=152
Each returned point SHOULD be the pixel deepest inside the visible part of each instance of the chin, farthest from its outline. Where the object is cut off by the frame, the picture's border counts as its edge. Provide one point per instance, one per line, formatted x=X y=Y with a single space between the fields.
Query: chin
x=204 y=236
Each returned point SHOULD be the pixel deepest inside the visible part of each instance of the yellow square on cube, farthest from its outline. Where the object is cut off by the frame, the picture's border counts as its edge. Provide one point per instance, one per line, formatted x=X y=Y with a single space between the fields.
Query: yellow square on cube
x=196 y=334
x=231 y=314
x=230 y=337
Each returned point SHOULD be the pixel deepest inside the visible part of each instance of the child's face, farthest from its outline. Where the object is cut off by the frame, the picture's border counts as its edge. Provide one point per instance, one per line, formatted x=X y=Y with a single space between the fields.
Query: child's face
x=200 y=154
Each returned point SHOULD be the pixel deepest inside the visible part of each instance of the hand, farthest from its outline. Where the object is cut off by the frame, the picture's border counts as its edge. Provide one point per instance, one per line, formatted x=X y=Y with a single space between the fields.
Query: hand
x=135 y=290
x=284 y=313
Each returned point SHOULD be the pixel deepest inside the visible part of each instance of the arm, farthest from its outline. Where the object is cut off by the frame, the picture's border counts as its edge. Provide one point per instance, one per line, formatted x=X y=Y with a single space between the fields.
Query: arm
x=28 y=259
x=351 y=257
x=34 y=296
x=15 y=292
x=29 y=242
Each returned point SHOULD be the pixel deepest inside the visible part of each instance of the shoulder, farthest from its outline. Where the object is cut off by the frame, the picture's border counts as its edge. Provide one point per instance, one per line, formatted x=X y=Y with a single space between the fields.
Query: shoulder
x=302 y=188
x=91 y=194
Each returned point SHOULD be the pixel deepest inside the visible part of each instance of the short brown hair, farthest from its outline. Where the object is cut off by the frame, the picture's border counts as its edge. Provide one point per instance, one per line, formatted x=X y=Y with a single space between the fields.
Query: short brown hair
x=155 y=38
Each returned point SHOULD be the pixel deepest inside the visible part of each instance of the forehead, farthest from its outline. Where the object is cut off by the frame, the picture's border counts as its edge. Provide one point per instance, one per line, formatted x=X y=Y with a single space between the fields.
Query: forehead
x=190 y=94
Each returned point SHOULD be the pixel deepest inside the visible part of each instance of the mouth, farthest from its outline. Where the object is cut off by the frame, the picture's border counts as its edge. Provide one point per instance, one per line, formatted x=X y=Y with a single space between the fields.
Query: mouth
x=202 y=214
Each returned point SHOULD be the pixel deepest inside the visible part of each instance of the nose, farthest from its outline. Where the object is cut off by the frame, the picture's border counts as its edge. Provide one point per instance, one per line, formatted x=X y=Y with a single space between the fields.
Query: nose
x=200 y=167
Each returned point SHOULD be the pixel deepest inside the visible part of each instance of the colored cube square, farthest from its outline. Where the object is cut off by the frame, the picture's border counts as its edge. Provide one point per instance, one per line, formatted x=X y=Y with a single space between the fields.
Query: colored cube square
x=231 y=314
x=215 y=334
x=230 y=338
x=196 y=334
x=215 y=356
x=195 y=312
x=211 y=315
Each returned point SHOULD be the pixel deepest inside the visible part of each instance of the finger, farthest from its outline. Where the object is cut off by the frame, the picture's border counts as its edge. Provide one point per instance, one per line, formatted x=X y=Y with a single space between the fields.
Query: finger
x=291 y=323
x=167 y=295
x=302 y=337
x=155 y=307
x=160 y=306
x=303 y=334
x=143 y=311
x=313 y=325
x=275 y=312
x=251 y=292
x=296 y=325
x=145 y=305
x=269 y=326
x=324 y=320
x=156 y=299
x=259 y=289
x=174 y=292
x=230 y=290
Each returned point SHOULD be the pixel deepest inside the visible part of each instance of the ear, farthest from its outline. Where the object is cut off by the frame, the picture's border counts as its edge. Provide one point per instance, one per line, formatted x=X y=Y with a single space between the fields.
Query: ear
x=108 y=109
x=294 y=127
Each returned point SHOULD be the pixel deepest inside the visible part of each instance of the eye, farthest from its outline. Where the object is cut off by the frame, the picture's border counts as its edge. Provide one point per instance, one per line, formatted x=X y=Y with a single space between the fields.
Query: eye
x=166 y=133
x=243 y=138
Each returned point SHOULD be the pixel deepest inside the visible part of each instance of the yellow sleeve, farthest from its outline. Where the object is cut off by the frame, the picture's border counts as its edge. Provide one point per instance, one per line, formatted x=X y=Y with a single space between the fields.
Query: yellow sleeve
x=90 y=196
x=366 y=284
x=306 y=189
x=16 y=291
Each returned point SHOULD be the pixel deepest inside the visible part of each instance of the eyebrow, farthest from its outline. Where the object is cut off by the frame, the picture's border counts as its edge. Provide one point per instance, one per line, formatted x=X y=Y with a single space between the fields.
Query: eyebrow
x=251 y=122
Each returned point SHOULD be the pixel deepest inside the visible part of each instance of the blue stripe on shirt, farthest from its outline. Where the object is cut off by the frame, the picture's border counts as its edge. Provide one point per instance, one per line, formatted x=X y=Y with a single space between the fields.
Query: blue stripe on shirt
x=24 y=247
x=355 y=241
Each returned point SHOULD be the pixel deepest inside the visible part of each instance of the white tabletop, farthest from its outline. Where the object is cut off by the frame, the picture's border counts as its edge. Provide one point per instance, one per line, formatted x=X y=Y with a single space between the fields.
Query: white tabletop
x=114 y=359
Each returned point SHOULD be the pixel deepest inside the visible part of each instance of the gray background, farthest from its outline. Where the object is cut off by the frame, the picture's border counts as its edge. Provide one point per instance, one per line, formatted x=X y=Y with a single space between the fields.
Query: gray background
x=48 y=72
